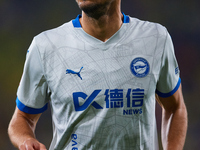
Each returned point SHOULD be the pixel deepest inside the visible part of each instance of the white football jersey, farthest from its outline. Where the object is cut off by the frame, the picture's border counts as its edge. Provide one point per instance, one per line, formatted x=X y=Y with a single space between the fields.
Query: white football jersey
x=102 y=94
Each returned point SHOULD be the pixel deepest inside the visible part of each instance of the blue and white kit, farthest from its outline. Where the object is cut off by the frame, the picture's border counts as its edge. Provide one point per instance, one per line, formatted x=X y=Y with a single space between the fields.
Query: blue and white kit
x=102 y=94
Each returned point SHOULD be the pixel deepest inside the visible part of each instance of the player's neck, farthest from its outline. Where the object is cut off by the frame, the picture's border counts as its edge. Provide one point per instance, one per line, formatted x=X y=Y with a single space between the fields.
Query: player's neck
x=104 y=27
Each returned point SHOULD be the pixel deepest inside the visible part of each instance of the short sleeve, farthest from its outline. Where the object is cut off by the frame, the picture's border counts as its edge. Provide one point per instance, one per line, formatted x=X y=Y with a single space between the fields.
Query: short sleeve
x=33 y=92
x=169 y=78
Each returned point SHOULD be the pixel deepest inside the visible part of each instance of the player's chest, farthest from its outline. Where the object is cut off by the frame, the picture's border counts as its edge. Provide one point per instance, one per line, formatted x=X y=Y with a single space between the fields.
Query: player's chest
x=75 y=69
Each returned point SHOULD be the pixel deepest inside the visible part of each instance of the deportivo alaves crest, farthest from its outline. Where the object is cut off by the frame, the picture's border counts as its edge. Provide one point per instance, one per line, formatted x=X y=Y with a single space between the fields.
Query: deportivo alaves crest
x=140 y=67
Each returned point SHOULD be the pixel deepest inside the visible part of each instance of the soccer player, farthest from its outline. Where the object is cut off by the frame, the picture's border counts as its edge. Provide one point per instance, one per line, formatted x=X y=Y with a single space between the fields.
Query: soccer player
x=100 y=73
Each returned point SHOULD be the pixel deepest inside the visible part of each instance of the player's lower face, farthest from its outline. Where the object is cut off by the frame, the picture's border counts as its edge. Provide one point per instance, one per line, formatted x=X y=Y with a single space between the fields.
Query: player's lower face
x=94 y=8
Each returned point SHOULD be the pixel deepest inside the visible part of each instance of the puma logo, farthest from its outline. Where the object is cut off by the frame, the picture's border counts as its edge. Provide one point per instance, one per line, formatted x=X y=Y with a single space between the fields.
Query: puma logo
x=69 y=71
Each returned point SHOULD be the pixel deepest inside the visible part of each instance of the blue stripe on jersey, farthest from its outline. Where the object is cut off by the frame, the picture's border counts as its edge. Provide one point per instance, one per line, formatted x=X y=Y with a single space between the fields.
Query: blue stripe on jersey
x=30 y=110
x=77 y=23
x=165 y=95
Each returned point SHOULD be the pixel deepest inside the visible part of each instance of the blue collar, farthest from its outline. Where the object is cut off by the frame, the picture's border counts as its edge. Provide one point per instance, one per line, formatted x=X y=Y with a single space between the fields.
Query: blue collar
x=77 y=23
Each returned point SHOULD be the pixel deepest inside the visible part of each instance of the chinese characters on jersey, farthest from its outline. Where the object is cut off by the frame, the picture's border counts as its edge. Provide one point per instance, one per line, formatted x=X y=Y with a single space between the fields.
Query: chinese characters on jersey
x=114 y=98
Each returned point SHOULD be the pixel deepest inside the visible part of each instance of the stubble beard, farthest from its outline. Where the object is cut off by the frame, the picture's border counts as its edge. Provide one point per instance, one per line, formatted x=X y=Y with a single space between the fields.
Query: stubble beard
x=95 y=10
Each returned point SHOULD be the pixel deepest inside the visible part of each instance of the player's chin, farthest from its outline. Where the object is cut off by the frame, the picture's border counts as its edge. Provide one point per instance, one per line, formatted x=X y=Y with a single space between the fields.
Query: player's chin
x=92 y=3
x=93 y=10
x=84 y=4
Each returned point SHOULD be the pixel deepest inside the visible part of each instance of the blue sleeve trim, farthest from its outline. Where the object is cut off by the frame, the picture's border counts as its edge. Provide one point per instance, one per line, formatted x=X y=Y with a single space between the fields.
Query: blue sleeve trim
x=165 y=95
x=30 y=110
x=76 y=22
x=126 y=18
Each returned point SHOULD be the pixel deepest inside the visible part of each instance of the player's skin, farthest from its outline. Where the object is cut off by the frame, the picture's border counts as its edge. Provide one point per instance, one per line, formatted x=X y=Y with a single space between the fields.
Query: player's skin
x=22 y=131
x=174 y=121
x=102 y=19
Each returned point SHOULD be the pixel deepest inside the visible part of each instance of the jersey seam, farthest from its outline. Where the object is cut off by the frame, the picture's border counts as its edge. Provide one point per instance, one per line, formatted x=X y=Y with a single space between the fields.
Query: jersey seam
x=162 y=57
x=41 y=78
x=43 y=73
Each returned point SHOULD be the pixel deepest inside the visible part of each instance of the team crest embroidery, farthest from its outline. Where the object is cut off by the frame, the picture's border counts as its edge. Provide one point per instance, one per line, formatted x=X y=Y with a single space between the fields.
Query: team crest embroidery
x=140 y=67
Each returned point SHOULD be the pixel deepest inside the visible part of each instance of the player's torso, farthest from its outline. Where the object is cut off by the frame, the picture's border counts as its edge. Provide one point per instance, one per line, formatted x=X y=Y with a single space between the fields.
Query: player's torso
x=103 y=95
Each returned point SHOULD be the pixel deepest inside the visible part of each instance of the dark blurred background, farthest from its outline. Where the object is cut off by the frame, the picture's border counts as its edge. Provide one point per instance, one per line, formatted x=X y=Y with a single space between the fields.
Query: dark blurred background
x=21 y=20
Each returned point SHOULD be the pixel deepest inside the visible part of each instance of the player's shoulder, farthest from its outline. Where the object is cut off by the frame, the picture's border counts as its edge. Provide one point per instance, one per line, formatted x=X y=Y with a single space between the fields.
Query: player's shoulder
x=52 y=39
x=55 y=32
x=149 y=26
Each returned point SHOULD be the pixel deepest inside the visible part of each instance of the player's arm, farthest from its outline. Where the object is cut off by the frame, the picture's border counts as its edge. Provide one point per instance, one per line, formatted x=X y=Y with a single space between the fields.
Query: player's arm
x=21 y=131
x=174 y=121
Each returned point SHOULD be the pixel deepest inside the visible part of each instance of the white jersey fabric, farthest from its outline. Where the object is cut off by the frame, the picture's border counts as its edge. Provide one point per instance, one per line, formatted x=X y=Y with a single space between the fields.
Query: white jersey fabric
x=102 y=94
